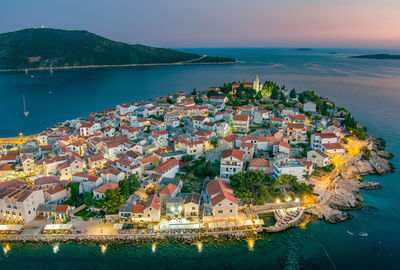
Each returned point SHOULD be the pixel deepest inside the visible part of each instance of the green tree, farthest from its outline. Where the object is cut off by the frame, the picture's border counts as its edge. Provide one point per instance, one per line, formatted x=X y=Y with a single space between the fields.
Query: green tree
x=251 y=186
x=275 y=94
x=212 y=93
x=170 y=101
x=129 y=185
x=88 y=199
x=214 y=143
x=113 y=200
x=198 y=100
x=302 y=98
x=293 y=93
x=188 y=158
x=366 y=153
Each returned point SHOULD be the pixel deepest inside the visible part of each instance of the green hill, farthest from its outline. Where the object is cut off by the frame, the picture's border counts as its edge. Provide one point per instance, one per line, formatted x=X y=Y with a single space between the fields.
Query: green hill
x=45 y=47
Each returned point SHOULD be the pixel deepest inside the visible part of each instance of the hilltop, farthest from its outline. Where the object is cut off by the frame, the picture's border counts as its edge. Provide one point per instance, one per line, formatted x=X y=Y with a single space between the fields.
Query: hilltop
x=45 y=47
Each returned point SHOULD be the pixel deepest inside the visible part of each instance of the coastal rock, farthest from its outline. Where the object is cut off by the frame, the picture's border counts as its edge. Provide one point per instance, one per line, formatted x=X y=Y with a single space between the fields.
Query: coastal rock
x=384 y=154
x=328 y=214
x=378 y=164
x=346 y=195
x=381 y=165
x=372 y=185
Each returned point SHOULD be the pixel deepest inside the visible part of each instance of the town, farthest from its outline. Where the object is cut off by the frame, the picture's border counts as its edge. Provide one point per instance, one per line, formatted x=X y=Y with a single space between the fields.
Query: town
x=211 y=161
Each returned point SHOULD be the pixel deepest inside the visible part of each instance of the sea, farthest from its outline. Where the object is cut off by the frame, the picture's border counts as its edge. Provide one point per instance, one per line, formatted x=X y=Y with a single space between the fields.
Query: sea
x=369 y=88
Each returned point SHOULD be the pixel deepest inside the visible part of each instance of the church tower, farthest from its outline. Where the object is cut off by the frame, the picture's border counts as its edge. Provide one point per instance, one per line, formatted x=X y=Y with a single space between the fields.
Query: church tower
x=256 y=84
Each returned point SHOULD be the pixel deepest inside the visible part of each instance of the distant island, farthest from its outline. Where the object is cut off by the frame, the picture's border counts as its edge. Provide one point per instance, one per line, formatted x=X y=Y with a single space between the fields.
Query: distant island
x=383 y=56
x=45 y=48
x=303 y=49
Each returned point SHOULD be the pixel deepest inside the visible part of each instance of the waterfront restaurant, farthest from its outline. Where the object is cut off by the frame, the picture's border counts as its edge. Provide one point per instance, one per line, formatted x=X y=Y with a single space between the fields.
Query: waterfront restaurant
x=58 y=229
x=10 y=229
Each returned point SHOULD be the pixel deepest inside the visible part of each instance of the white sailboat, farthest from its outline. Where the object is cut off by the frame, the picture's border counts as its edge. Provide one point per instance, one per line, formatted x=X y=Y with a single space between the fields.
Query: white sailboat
x=26 y=113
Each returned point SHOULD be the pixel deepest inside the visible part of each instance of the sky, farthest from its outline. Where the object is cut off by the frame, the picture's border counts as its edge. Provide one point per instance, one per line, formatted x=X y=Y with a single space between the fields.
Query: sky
x=217 y=23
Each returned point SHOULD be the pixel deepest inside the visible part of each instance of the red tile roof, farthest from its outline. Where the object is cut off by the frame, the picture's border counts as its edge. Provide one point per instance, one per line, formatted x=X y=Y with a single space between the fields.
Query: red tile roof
x=61 y=208
x=259 y=162
x=332 y=146
x=166 y=165
x=147 y=160
x=230 y=138
x=219 y=191
x=154 y=202
x=326 y=135
x=295 y=126
x=239 y=117
x=322 y=154
x=283 y=144
x=238 y=154
x=247 y=144
x=103 y=188
x=55 y=190
x=138 y=208
x=96 y=157
x=169 y=189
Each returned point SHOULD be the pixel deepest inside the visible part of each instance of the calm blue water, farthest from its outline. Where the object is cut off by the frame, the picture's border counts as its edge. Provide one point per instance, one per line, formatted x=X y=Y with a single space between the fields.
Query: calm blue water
x=370 y=89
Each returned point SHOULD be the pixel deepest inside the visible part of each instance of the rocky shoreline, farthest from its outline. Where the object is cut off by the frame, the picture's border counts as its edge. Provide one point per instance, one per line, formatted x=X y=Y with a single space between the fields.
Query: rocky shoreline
x=127 y=239
x=349 y=184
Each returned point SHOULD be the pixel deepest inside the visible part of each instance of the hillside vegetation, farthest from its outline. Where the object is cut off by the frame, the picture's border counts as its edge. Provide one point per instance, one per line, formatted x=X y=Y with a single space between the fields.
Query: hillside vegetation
x=45 y=47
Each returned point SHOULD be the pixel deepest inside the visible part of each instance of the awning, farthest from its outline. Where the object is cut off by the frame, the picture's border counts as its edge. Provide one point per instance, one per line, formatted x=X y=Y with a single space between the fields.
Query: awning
x=184 y=226
x=258 y=222
x=58 y=227
x=118 y=226
x=10 y=228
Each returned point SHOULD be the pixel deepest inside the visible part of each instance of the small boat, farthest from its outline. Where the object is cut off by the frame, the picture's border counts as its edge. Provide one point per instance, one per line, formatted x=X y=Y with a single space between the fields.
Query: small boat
x=363 y=234
x=350 y=233
x=32 y=76
x=51 y=70
x=50 y=92
x=26 y=113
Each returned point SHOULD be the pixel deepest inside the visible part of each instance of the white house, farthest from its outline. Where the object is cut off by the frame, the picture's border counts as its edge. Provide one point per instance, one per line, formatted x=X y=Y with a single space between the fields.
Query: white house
x=166 y=169
x=318 y=139
x=241 y=123
x=261 y=115
x=19 y=204
x=310 y=107
x=318 y=157
x=87 y=182
x=221 y=200
x=231 y=163
x=87 y=129
x=289 y=166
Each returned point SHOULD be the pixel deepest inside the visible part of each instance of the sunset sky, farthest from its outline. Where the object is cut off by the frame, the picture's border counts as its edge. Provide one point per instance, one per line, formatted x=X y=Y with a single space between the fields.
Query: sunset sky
x=217 y=23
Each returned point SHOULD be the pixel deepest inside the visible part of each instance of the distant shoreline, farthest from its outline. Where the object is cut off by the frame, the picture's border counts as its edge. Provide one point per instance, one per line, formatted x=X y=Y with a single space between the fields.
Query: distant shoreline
x=382 y=56
x=115 y=66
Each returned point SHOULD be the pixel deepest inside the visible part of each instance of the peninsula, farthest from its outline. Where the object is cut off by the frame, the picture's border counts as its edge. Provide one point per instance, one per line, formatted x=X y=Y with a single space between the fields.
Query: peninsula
x=47 y=48
x=190 y=166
